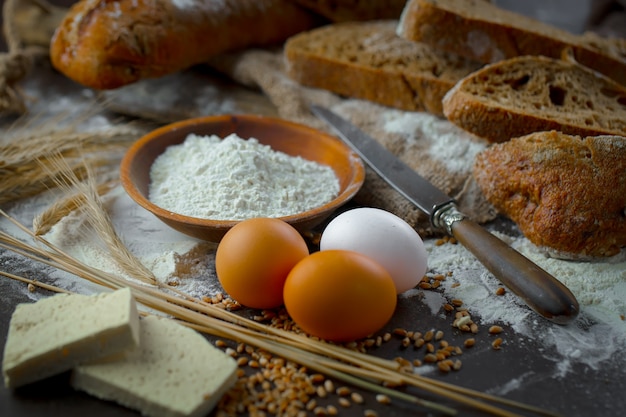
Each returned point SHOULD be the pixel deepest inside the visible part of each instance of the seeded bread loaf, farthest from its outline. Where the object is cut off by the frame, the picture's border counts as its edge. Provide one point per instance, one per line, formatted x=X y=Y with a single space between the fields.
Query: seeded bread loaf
x=107 y=44
x=57 y=333
x=566 y=193
x=175 y=372
x=355 y=10
x=367 y=60
x=528 y=94
x=482 y=31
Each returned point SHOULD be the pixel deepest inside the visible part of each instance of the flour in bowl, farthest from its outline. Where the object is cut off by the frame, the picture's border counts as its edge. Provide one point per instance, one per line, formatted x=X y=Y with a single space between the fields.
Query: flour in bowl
x=236 y=179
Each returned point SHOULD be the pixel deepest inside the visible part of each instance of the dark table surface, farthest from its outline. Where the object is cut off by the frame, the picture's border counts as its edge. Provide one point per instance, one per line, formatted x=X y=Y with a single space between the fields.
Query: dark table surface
x=522 y=371
x=525 y=369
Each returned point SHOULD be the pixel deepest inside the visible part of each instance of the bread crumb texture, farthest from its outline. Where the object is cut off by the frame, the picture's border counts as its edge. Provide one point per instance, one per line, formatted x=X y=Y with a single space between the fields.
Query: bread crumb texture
x=483 y=31
x=527 y=94
x=175 y=372
x=57 y=333
x=566 y=193
x=368 y=60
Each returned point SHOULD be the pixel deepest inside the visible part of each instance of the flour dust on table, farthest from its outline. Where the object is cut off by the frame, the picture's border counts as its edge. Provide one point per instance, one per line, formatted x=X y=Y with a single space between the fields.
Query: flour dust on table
x=187 y=263
x=600 y=287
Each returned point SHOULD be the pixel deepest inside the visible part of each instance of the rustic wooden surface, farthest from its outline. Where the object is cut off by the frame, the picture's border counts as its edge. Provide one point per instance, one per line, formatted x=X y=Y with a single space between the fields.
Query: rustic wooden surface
x=585 y=392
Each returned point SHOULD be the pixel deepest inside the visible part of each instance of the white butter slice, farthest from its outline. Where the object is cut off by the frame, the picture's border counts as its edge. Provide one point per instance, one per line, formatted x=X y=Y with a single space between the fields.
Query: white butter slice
x=57 y=333
x=176 y=372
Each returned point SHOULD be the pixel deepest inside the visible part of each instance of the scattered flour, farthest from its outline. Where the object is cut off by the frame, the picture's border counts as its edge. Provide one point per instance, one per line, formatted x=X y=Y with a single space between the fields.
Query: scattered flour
x=592 y=339
x=173 y=257
x=600 y=287
x=453 y=147
x=235 y=179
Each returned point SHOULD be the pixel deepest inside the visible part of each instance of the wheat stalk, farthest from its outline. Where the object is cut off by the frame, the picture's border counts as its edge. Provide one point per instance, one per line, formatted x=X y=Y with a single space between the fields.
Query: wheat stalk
x=333 y=360
x=27 y=178
x=69 y=170
x=89 y=196
x=29 y=142
x=44 y=221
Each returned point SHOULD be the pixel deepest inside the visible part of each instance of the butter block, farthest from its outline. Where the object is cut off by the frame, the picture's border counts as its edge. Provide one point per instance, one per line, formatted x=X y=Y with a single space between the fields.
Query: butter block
x=175 y=372
x=57 y=333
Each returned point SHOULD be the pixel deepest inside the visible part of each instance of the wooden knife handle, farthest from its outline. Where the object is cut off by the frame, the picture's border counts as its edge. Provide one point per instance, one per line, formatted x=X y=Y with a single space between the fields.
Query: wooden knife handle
x=537 y=288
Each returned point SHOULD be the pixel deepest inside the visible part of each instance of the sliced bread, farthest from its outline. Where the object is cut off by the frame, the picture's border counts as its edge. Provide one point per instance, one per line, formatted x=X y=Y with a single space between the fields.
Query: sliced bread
x=175 y=372
x=527 y=94
x=567 y=194
x=482 y=31
x=57 y=333
x=367 y=60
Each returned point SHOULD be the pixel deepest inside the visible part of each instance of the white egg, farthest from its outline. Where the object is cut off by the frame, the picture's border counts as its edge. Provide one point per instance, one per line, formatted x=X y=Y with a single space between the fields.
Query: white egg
x=385 y=238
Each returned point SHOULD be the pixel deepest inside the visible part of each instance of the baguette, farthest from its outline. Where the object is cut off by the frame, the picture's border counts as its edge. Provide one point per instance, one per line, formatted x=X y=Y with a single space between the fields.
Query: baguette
x=567 y=194
x=106 y=44
x=482 y=31
x=523 y=95
x=367 y=60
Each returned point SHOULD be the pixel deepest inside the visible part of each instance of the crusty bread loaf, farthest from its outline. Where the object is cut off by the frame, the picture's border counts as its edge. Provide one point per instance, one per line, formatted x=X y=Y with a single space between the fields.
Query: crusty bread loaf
x=355 y=10
x=480 y=30
x=57 y=333
x=527 y=94
x=175 y=372
x=107 y=44
x=367 y=60
x=566 y=193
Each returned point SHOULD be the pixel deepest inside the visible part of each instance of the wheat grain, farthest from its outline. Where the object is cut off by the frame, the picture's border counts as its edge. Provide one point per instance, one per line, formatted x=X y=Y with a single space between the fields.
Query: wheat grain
x=330 y=360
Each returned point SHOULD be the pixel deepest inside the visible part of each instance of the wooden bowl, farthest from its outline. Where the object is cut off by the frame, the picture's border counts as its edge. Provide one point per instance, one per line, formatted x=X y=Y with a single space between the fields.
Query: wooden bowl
x=290 y=138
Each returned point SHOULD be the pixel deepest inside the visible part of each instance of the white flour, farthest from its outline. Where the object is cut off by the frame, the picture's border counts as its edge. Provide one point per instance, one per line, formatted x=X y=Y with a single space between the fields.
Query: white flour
x=600 y=288
x=448 y=144
x=236 y=179
x=172 y=256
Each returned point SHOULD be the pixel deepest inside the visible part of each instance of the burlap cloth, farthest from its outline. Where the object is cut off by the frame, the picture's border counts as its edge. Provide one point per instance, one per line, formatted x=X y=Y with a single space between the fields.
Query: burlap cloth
x=254 y=81
x=264 y=70
x=258 y=84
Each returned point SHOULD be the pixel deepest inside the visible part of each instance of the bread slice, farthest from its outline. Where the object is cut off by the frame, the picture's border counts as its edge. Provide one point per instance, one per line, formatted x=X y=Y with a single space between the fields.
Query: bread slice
x=367 y=60
x=522 y=95
x=57 y=333
x=482 y=31
x=567 y=194
x=176 y=372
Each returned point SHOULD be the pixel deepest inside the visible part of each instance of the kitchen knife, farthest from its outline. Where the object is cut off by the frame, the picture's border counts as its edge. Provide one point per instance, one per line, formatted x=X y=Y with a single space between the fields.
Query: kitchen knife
x=537 y=288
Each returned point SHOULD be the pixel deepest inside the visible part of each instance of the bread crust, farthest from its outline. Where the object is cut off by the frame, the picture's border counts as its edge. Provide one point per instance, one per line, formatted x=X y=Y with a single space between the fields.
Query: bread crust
x=480 y=30
x=566 y=193
x=527 y=94
x=104 y=44
x=367 y=60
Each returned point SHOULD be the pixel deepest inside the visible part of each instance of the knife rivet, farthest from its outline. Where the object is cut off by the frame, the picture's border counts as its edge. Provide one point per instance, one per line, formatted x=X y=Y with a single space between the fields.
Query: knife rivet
x=445 y=216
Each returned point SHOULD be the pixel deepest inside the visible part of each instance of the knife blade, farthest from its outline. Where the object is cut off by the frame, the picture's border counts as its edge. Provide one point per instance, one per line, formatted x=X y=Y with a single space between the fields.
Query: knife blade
x=539 y=290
